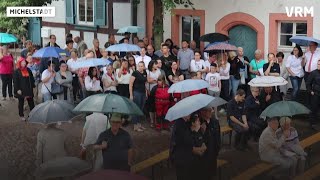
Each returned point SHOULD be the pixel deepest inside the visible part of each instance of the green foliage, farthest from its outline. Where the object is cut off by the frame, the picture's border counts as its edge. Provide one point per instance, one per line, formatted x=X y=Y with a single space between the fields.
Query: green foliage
x=17 y=25
x=171 y=4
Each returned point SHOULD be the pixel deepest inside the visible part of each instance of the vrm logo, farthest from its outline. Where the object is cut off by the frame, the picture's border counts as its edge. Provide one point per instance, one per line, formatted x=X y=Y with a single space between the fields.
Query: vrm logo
x=299 y=11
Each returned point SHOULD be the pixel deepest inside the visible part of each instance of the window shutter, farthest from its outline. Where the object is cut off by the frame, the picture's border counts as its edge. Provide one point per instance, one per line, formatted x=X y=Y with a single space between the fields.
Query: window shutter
x=100 y=12
x=70 y=11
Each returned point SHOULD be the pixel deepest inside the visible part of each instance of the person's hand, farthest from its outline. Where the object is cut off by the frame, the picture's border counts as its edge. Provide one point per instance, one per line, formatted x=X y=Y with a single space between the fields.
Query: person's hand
x=131 y=98
x=203 y=127
x=312 y=93
x=268 y=97
x=257 y=101
x=198 y=126
x=19 y=92
x=53 y=74
x=104 y=145
x=286 y=133
x=245 y=126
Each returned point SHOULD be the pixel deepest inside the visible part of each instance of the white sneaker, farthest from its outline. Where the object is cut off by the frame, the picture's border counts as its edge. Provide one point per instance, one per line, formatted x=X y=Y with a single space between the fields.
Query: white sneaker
x=3 y=99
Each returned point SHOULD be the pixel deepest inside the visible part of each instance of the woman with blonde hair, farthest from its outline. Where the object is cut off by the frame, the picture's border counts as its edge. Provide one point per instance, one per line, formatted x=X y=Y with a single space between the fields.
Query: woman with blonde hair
x=291 y=148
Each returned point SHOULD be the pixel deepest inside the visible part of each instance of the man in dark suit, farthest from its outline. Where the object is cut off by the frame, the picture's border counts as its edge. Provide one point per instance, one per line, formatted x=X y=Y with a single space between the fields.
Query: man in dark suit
x=44 y=61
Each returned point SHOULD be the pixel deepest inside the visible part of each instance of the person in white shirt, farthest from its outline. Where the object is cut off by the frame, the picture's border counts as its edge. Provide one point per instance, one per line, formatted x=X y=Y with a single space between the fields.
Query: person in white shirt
x=198 y=64
x=295 y=69
x=92 y=82
x=224 y=70
x=214 y=80
x=47 y=77
x=109 y=81
x=310 y=64
x=143 y=57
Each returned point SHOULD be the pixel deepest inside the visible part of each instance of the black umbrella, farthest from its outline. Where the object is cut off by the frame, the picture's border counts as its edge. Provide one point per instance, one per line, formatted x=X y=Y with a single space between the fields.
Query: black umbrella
x=214 y=37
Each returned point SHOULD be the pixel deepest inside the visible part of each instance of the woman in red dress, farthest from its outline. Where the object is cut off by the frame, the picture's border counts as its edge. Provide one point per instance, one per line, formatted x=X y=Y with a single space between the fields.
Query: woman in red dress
x=161 y=101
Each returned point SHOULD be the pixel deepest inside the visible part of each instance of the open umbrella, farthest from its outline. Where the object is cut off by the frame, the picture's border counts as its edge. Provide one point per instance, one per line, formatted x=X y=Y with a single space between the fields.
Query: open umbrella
x=191 y=104
x=123 y=47
x=219 y=46
x=304 y=40
x=284 y=108
x=93 y=62
x=188 y=85
x=267 y=81
x=108 y=103
x=62 y=167
x=130 y=29
x=214 y=37
x=50 y=52
x=51 y=112
x=112 y=175
x=7 y=38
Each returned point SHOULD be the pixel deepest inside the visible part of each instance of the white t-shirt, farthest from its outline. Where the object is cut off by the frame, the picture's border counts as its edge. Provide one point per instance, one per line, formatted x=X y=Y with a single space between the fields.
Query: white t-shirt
x=124 y=78
x=153 y=75
x=71 y=63
x=46 y=85
x=92 y=86
x=196 y=66
x=213 y=80
x=295 y=66
x=225 y=73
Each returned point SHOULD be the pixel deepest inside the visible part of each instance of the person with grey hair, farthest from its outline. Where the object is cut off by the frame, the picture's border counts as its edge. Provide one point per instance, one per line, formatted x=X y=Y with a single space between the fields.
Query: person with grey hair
x=81 y=46
x=270 y=149
x=256 y=64
x=292 y=147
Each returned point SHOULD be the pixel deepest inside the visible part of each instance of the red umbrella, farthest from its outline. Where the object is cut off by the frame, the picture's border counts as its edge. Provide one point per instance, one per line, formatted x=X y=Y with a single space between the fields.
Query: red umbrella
x=112 y=175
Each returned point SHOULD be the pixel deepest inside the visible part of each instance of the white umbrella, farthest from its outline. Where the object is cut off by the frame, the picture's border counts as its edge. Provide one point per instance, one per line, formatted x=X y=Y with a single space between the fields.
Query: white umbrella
x=123 y=47
x=267 y=81
x=191 y=104
x=95 y=124
x=188 y=85
x=92 y=62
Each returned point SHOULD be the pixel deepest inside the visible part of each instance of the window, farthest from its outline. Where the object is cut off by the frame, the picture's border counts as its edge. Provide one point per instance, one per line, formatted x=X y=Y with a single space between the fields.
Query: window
x=190 y=29
x=85 y=12
x=289 y=29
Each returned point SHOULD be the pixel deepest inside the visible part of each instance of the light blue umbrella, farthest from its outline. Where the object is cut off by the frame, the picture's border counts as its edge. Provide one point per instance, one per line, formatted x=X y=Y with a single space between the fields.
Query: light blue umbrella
x=50 y=52
x=7 y=38
x=93 y=62
x=192 y=104
x=123 y=47
x=130 y=29
x=188 y=85
x=304 y=40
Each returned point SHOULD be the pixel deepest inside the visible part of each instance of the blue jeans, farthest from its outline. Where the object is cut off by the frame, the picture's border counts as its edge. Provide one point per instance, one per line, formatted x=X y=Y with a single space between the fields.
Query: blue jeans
x=296 y=84
x=140 y=99
x=233 y=86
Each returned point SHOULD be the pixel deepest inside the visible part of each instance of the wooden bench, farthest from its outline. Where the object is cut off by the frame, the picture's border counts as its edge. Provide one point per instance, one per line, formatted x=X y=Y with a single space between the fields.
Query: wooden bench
x=264 y=166
x=254 y=171
x=311 y=173
x=164 y=155
x=226 y=130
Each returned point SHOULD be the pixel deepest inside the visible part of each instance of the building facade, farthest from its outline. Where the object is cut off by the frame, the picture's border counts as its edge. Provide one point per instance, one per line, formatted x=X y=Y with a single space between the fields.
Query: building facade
x=88 y=19
x=258 y=24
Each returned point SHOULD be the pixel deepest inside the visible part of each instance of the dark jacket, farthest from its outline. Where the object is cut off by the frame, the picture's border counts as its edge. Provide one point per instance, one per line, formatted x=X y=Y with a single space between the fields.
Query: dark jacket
x=275 y=97
x=245 y=58
x=182 y=143
x=212 y=138
x=25 y=84
x=235 y=66
x=252 y=109
x=313 y=82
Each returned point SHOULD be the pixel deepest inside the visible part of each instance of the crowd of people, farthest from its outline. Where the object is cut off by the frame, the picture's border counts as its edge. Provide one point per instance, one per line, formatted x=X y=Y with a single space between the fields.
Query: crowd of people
x=145 y=77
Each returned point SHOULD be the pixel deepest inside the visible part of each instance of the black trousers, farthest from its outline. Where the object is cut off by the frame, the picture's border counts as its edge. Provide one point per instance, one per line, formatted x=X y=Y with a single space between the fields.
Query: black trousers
x=224 y=94
x=123 y=90
x=308 y=95
x=184 y=172
x=75 y=87
x=21 y=103
x=6 y=83
x=315 y=100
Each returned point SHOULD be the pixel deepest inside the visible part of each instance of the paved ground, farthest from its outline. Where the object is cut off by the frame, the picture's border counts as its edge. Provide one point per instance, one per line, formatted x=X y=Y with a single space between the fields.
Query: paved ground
x=18 y=142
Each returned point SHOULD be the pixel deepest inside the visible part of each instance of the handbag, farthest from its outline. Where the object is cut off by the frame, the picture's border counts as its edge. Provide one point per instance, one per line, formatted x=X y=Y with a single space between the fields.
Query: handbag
x=56 y=88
